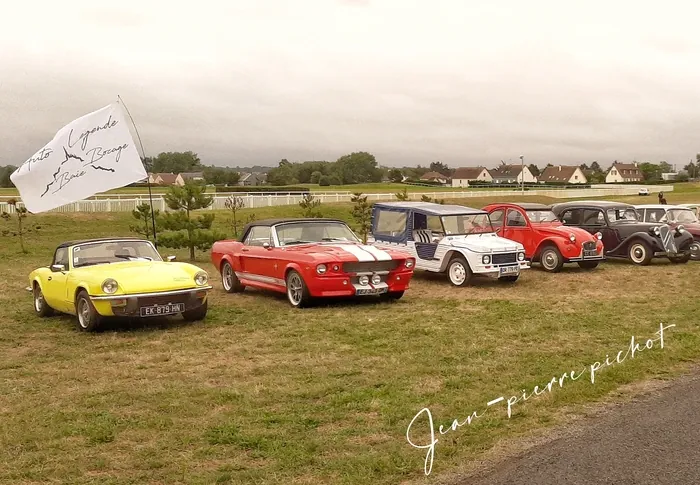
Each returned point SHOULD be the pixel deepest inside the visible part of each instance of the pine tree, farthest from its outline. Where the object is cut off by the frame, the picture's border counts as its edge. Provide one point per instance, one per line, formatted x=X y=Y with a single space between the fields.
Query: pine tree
x=362 y=213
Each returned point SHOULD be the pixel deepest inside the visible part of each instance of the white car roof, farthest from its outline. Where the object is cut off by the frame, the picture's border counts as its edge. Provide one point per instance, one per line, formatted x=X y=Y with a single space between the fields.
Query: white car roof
x=659 y=206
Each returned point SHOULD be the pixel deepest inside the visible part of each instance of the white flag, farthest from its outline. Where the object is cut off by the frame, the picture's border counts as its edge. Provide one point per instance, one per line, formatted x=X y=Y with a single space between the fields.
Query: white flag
x=92 y=154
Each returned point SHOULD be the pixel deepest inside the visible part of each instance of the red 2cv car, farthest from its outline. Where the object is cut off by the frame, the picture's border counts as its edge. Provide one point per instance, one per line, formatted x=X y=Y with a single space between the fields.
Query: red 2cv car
x=544 y=237
x=308 y=258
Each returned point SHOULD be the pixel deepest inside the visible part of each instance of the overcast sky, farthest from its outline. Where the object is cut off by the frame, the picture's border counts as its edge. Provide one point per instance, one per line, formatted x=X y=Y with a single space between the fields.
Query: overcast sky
x=466 y=82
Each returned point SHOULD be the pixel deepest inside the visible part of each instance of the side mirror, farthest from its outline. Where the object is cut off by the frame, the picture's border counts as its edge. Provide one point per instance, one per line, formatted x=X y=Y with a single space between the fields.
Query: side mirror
x=266 y=245
x=57 y=267
x=171 y=258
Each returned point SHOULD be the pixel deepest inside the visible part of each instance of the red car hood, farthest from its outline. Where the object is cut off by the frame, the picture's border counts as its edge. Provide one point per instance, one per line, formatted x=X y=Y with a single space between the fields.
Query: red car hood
x=558 y=229
x=343 y=252
x=691 y=227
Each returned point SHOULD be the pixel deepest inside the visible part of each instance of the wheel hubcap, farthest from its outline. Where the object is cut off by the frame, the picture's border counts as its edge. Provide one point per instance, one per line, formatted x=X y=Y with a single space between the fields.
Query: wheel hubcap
x=457 y=273
x=695 y=250
x=294 y=289
x=83 y=313
x=637 y=253
x=228 y=276
x=549 y=260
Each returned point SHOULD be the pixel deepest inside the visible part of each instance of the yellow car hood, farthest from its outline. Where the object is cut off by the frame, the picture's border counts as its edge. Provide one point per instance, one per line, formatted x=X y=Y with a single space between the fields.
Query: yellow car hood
x=140 y=276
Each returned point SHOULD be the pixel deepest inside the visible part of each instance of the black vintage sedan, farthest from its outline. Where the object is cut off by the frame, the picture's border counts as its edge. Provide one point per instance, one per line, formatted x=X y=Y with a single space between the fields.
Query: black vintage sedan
x=624 y=235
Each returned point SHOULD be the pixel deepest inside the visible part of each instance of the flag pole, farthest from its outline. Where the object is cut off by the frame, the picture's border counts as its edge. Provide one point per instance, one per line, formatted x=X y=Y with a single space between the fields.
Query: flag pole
x=148 y=178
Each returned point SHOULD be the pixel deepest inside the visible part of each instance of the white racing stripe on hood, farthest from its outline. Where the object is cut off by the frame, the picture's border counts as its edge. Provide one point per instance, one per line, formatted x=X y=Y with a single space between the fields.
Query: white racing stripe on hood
x=377 y=253
x=357 y=251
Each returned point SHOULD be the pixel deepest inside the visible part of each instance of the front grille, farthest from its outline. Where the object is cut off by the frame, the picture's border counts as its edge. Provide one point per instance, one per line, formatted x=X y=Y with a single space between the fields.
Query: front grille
x=370 y=266
x=589 y=245
x=504 y=258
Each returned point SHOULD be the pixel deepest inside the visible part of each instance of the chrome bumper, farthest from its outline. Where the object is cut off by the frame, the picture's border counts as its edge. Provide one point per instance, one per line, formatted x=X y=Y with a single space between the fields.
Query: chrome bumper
x=145 y=295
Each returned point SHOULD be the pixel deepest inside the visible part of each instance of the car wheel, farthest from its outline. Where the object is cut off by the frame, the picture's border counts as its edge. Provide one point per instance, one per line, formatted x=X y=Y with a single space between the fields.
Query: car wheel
x=297 y=292
x=229 y=280
x=88 y=318
x=459 y=272
x=392 y=295
x=640 y=253
x=695 y=251
x=196 y=313
x=509 y=279
x=588 y=264
x=40 y=306
x=551 y=259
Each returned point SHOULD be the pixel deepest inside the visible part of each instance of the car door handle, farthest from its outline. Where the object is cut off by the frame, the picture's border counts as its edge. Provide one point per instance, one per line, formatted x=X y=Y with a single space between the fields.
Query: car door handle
x=245 y=250
x=49 y=278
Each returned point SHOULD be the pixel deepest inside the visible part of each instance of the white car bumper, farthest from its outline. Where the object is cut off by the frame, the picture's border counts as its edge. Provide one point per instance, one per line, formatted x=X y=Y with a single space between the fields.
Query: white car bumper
x=500 y=269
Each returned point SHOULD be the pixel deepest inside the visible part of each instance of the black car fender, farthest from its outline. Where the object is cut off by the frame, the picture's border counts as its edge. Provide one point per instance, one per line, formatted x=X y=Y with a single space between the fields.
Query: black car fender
x=651 y=241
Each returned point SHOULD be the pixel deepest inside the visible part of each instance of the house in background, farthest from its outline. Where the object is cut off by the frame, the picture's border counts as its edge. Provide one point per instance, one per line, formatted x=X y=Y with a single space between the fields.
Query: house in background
x=164 y=179
x=463 y=175
x=434 y=177
x=510 y=174
x=250 y=179
x=668 y=176
x=184 y=177
x=624 y=172
x=565 y=174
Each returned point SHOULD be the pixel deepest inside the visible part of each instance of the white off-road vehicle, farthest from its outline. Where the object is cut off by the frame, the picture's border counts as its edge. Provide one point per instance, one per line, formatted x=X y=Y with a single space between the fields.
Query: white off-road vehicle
x=452 y=239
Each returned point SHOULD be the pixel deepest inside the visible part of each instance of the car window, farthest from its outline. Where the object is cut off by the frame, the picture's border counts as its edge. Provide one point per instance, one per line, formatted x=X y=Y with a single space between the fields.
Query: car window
x=654 y=215
x=515 y=219
x=389 y=223
x=497 y=219
x=593 y=217
x=435 y=225
x=61 y=257
x=572 y=217
x=258 y=236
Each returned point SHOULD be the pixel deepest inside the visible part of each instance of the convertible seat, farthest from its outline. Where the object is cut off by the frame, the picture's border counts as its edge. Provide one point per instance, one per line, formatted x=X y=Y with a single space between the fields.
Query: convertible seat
x=423 y=236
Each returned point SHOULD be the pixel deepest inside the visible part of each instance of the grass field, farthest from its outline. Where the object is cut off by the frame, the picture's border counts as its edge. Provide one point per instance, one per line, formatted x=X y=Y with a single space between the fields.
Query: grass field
x=260 y=393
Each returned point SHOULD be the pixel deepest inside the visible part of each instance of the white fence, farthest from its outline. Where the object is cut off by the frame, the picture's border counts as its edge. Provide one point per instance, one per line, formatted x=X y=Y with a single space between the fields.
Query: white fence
x=254 y=201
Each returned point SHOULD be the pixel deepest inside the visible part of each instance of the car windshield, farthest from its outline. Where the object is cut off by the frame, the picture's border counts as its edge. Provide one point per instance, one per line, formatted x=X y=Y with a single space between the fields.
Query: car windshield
x=312 y=232
x=541 y=216
x=113 y=252
x=682 y=216
x=622 y=214
x=467 y=224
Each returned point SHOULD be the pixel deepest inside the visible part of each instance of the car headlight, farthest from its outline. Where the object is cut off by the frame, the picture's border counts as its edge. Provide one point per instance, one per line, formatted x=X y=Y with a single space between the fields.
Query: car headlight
x=201 y=278
x=376 y=279
x=521 y=256
x=321 y=269
x=599 y=235
x=336 y=267
x=109 y=286
x=410 y=262
x=364 y=280
x=680 y=228
x=485 y=259
x=655 y=230
x=572 y=238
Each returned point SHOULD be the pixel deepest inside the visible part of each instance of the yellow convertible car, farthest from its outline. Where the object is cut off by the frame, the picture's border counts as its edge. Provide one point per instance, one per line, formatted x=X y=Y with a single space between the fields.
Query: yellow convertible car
x=124 y=277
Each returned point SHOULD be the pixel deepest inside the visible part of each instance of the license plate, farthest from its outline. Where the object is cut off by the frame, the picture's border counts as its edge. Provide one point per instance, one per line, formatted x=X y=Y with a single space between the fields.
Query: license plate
x=156 y=310
x=371 y=291
x=509 y=270
x=590 y=253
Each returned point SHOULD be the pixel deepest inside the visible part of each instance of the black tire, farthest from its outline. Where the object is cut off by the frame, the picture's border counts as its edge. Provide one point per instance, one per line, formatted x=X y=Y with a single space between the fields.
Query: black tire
x=88 y=320
x=680 y=259
x=297 y=291
x=640 y=253
x=229 y=280
x=588 y=264
x=392 y=295
x=196 y=313
x=695 y=251
x=41 y=308
x=551 y=259
x=458 y=271
x=509 y=279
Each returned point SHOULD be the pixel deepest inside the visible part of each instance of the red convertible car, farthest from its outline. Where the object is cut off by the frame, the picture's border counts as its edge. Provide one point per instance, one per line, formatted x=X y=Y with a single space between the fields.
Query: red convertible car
x=544 y=237
x=308 y=258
